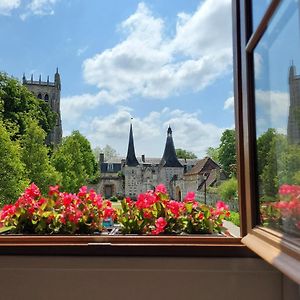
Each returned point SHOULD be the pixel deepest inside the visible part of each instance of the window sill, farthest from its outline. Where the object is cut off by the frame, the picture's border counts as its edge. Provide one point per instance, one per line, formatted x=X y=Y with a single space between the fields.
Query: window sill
x=195 y=246
x=280 y=250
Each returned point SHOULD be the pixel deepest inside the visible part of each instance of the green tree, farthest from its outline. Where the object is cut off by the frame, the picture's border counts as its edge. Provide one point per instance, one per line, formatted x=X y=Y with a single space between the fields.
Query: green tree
x=12 y=171
x=181 y=153
x=75 y=161
x=213 y=153
x=36 y=159
x=20 y=105
x=264 y=143
x=227 y=152
x=108 y=151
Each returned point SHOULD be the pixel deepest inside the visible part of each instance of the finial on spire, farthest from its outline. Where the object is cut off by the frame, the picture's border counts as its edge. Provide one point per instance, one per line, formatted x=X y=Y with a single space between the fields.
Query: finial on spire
x=169 y=132
x=40 y=79
x=24 y=78
x=56 y=70
x=31 y=77
x=48 y=80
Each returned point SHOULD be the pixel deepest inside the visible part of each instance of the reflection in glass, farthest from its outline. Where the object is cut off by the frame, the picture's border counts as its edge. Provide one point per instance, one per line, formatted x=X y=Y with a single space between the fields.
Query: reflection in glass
x=277 y=101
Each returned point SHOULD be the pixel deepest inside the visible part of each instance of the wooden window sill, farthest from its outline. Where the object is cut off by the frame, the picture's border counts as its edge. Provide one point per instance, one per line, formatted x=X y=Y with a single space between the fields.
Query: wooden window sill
x=196 y=246
x=280 y=250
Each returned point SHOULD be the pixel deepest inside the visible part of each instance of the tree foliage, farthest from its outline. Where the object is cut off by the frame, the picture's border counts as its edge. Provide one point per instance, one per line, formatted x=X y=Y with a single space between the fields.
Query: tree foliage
x=227 y=152
x=75 y=161
x=181 y=153
x=108 y=151
x=18 y=105
x=213 y=153
x=12 y=171
x=228 y=190
x=35 y=157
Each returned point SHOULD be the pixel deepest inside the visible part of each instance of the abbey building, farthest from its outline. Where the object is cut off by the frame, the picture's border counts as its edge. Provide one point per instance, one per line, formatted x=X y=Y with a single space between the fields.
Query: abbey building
x=50 y=93
x=129 y=176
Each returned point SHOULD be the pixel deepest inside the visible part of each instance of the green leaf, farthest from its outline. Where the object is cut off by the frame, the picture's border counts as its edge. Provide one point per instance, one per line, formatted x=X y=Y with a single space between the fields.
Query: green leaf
x=5 y=229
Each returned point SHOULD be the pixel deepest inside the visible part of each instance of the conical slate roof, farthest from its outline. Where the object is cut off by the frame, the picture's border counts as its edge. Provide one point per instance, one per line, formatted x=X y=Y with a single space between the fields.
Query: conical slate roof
x=169 y=158
x=131 y=160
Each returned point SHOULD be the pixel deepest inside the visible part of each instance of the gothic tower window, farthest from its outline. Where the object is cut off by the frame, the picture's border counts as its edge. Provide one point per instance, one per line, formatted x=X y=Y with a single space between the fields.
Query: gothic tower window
x=40 y=96
x=46 y=98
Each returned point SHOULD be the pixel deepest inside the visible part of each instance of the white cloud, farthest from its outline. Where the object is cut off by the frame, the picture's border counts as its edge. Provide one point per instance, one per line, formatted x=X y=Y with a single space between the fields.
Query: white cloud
x=39 y=8
x=80 y=51
x=229 y=103
x=273 y=103
x=148 y=63
x=6 y=6
x=189 y=132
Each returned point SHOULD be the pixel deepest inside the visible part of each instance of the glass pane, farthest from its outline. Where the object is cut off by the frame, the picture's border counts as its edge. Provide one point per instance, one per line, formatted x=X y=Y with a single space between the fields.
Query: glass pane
x=259 y=7
x=277 y=98
x=142 y=96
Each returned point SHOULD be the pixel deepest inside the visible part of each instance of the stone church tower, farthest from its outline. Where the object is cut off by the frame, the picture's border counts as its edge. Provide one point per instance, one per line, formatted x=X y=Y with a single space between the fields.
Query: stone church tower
x=293 y=128
x=50 y=93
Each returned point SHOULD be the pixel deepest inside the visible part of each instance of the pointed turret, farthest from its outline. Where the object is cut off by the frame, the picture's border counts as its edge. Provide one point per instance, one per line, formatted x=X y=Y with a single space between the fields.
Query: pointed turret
x=31 y=78
x=24 y=78
x=169 y=158
x=292 y=72
x=40 y=79
x=131 y=160
x=57 y=79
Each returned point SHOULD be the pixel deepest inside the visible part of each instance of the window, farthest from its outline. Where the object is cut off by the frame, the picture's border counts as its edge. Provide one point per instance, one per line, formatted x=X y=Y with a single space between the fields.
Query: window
x=267 y=89
x=40 y=96
x=46 y=98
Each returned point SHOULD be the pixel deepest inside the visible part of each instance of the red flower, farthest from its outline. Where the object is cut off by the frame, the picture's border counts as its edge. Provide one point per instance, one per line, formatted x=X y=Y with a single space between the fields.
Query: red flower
x=82 y=191
x=161 y=189
x=161 y=223
x=32 y=191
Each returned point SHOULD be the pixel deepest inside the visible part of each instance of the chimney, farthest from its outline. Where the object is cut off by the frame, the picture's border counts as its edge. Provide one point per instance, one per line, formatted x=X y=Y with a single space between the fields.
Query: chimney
x=143 y=158
x=101 y=159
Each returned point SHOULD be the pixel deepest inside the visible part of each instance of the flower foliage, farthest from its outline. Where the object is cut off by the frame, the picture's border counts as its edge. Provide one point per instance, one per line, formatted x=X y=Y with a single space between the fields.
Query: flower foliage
x=59 y=213
x=154 y=213
x=285 y=213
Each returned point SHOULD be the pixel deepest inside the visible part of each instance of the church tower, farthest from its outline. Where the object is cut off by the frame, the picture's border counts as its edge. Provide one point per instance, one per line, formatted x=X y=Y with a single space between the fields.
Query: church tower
x=50 y=93
x=293 y=128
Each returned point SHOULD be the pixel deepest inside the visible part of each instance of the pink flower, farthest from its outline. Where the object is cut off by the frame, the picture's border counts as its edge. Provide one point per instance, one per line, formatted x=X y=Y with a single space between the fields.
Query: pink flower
x=161 y=223
x=174 y=207
x=53 y=190
x=161 y=189
x=190 y=197
x=222 y=206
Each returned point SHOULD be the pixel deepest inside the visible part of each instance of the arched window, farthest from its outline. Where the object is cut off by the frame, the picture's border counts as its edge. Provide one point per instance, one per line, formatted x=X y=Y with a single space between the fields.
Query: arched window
x=46 y=98
x=40 y=96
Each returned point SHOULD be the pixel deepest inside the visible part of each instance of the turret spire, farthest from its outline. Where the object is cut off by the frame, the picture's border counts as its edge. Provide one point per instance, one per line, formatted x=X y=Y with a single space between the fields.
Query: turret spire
x=169 y=158
x=131 y=160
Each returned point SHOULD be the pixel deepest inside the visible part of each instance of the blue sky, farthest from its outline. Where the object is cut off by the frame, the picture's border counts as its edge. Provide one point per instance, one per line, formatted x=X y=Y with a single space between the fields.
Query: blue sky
x=161 y=62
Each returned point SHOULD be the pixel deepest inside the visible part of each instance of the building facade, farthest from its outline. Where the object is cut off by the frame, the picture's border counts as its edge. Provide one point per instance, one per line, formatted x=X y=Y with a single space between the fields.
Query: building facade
x=293 y=128
x=50 y=93
x=129 y=176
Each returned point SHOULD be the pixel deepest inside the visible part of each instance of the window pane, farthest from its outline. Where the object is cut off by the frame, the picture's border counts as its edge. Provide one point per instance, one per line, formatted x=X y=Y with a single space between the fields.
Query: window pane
x=259 y=7
x=277 y=98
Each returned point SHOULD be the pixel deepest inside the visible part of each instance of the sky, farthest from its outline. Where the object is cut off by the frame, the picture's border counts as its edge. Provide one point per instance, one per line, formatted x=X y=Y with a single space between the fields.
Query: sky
x=159 y=62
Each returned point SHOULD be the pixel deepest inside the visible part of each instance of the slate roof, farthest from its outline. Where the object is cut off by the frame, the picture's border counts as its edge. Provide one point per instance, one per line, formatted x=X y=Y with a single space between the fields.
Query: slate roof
x=169 y=158
x=131 y=160
x=199 y=166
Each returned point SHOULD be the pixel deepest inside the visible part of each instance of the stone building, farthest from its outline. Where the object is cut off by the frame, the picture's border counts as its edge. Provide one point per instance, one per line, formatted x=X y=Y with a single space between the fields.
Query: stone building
x=129 y=176
x=293 y=128
x=50 y=93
